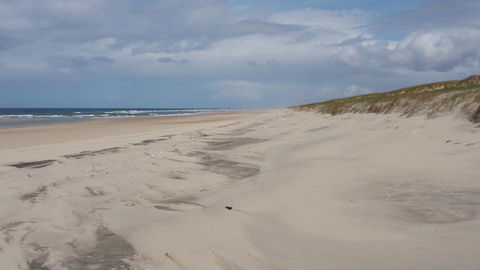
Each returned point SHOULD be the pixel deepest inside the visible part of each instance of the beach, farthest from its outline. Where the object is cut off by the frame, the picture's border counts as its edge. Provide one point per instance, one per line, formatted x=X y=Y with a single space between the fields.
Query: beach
x=264 y=189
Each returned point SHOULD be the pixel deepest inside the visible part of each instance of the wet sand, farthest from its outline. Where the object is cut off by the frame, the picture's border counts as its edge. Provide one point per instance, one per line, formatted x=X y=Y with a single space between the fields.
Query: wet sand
x=272 y=189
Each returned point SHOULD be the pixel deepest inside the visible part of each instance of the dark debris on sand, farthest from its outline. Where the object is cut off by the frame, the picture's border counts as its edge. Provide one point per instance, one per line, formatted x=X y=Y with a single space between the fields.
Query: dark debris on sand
x=33 y=164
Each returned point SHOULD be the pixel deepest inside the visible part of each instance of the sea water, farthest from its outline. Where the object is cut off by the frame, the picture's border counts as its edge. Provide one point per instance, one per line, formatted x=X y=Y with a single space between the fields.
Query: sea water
x=18 y=117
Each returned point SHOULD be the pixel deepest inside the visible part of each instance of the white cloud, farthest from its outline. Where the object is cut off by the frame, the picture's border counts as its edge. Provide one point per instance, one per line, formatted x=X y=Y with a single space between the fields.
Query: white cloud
x=437 y=50
x=354 y=90
x=237 y=89
x=254 y=94
x=245 y=90
x=320 y=40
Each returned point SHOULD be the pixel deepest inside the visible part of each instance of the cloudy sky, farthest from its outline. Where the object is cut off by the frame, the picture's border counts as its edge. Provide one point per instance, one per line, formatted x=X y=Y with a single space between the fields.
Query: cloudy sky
x=227 y=53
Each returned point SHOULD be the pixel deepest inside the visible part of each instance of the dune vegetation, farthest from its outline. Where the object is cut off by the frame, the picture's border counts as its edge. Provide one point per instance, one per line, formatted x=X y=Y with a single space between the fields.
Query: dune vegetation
x=461 y=97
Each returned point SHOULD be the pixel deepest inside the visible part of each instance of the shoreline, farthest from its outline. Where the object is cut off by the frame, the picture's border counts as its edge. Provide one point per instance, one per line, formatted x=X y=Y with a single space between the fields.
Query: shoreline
x=27 y=136
x=8 y=123
x=41 y=120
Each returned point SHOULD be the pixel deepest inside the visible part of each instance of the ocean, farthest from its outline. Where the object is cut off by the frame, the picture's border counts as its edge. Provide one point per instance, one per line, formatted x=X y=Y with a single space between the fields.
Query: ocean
x=19 y=117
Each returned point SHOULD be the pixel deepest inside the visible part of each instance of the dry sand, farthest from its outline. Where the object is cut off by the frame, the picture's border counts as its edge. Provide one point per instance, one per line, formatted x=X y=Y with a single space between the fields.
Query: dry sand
x=307 y=191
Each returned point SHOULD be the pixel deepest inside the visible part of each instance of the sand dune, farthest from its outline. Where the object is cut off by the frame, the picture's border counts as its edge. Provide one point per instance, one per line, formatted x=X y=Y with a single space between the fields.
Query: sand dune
x=306 y=191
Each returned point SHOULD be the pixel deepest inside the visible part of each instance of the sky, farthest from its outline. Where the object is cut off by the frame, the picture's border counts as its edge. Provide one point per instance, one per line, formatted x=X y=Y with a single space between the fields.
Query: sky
x=228 y=53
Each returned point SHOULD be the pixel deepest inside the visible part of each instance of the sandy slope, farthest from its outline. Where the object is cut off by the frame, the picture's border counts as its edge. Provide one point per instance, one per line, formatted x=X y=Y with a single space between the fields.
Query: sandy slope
x=308 y=191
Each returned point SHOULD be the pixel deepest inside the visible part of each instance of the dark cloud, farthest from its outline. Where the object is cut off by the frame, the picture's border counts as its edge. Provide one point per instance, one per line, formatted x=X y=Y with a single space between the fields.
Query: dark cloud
x=69 y=63
x=103 y=59
x=7 y=43
x=435 y=14
x=261 y=27
x=165 y=60
x=171 y=60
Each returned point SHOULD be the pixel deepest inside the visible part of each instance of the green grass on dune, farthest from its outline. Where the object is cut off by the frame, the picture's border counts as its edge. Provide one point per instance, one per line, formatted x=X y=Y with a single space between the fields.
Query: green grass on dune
x=430 y=99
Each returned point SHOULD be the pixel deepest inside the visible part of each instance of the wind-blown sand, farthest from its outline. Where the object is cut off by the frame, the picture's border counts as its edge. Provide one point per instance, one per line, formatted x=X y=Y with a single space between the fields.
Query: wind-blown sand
x=308 y=191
